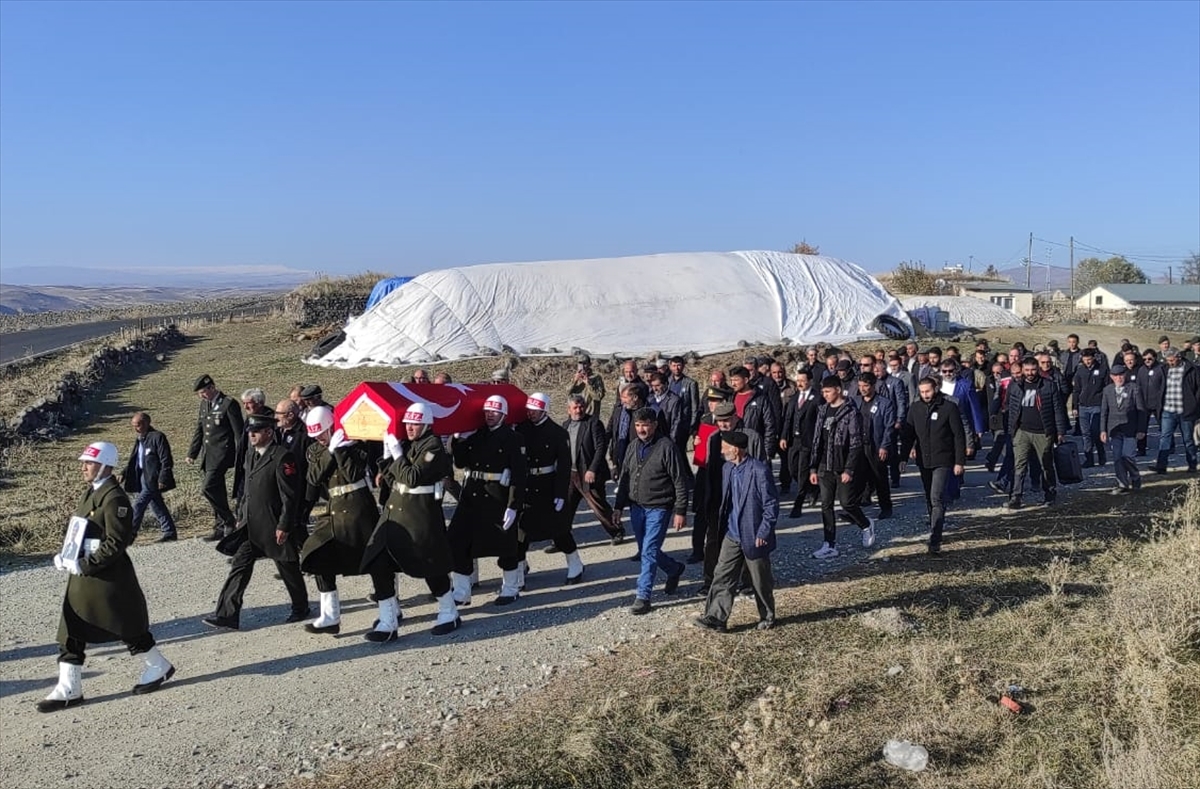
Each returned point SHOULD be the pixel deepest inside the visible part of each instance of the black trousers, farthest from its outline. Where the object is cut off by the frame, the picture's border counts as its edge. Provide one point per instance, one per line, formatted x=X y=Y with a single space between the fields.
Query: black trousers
x=217 y=495
x=383 y=578
x=229 y=603
x=848 y=494
x=933 y=480
x=72 y=649
x=877 y=472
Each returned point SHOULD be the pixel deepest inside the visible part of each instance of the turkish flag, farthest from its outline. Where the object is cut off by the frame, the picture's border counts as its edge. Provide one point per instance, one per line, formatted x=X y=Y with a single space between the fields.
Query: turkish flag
x=373 y=407
x=700 y=458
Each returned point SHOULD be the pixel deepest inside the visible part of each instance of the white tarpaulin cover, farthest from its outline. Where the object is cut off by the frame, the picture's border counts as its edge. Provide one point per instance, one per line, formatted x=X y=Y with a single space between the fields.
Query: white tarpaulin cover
x=966 y=312
x=677 y=302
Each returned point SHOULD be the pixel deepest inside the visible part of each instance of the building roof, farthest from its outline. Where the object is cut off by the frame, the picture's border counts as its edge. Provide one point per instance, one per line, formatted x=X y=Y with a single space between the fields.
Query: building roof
x=993 y=286
x=1184 y=295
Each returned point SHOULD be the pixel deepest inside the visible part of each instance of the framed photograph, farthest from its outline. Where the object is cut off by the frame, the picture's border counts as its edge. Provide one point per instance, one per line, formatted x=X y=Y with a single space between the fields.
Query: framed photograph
x=72 y=547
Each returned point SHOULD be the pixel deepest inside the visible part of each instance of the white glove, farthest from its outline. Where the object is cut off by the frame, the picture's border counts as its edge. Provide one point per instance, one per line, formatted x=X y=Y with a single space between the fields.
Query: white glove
x=71 y=566
x=337 y=439
x=391 y=446
x=58 y=562
x=558 y=505
x=506 y=477
x=510 y=517
x=466 y=434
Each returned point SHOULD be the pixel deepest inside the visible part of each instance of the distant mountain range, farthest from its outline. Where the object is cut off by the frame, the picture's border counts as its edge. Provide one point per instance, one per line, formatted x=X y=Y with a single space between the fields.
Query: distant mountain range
x=1041 y=278
x=205 y=277
x=16 y=299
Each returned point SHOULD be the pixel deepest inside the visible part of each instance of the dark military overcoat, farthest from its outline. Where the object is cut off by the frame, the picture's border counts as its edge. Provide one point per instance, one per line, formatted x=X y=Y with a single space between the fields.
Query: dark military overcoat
x=548 y=456
x=344 y=523
x=480 y=510
x=271 y=502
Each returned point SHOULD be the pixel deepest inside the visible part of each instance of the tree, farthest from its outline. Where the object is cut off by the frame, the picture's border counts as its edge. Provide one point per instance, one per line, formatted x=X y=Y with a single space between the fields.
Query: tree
x=805 y=248
x=1189 y=272
x=1114 y=271
x=991 y=272
x=912 y=279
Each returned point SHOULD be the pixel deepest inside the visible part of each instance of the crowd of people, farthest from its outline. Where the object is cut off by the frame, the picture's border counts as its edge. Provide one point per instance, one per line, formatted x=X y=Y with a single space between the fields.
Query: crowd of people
x=842 y=430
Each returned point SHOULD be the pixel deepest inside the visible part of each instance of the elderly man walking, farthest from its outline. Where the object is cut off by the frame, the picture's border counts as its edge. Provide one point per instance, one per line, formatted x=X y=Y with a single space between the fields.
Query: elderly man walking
x=654 y=487
x=749 y=511
x=1180 y=409
x=149 y=474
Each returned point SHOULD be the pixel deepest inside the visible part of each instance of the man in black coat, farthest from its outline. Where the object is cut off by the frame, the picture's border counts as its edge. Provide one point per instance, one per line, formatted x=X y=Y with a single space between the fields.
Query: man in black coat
x=834 y=466
x=939 y=445
x=589 y=466
x=1151 y=377
x=1123 y=416
x=266 y=527
x=548 y=481
x=631 y=397
x=796 y=435
x=1037 y=419
x=1087 y=388
x=219 y=432
x=149 y=473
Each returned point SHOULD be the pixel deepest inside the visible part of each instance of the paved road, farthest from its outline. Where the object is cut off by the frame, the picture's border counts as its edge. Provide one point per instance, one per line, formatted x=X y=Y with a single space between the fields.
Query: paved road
x=14 y=345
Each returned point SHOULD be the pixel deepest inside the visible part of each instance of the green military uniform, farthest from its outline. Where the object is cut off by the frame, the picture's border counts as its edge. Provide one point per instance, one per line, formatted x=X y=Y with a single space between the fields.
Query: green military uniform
x=219 y=431
x=105 y=601
x=475 y=529
x=412 y=527
x=344 y=524
x=548 y=456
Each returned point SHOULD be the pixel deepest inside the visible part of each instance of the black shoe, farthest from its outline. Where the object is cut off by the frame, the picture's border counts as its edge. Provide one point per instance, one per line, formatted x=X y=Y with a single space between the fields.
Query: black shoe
x=640 y=607
x=446 y=628
x=1049 y=499
x=746 y=592
x=884 y=514
x=298 y=616
x=551 y=548
x=710 y=623
x=695 y=558
x=332 y=630
x=765 y=624
x=1158 y=470
x=1088 y=463
x=991 y=467
x=168 y=538
x=1014 y=503
x=150 y=687
x=935 y=549
x=637 y=557
x=217 y=534
x=575 y=579
x=221 y=622
x=617 y=539
x=505 y=599
x=54 y=705
x=997 y=487
x=703 y=590
x=380 y=637
x=672 y=583
x=796 y=512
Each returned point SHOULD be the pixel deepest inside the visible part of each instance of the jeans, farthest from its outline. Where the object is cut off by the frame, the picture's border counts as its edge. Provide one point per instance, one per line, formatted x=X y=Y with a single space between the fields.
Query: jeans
x=1172 y=421
x=934 y=481
x=1089 y=419
x=1123 y=449
x=154 y=500
x=650 y=529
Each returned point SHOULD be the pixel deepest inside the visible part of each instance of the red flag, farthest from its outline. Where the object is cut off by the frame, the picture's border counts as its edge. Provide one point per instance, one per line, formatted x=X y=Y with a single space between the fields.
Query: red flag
x=701 y=455
x=372 y=407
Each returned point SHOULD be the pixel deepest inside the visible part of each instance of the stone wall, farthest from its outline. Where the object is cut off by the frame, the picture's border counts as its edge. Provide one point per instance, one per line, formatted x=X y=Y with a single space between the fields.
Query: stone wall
x=53 y=415
x=1168 y=319
x=1051 y=312
x=306 y=311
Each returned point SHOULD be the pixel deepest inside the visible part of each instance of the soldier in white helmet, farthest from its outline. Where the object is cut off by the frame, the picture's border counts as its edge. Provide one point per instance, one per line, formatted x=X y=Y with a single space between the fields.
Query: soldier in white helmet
x=411 y=534
x=104 y=601
x=548 y=455
x=338 y=469
x=485 y=521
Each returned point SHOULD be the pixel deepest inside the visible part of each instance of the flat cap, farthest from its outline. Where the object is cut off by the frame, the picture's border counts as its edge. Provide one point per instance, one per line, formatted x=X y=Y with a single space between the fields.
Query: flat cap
x=312 y=390
x=203 y=382
x=725 y=411
x=735 y=438
x=1118 y=369
x=845 y=364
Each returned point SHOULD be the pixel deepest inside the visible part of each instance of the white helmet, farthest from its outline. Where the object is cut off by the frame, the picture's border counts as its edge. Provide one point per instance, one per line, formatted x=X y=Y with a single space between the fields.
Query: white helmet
x=318 y=420
x=496 y=403
x=417 y=414
x=538 y=401
x=100 y=452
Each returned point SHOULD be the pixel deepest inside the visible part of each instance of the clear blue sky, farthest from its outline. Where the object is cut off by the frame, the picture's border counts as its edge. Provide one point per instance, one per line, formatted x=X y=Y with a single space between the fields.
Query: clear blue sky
x=402 y=137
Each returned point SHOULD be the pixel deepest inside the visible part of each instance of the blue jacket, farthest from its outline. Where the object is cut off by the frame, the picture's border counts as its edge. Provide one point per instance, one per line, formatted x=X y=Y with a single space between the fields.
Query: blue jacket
x=758 y=508
x=879 y=421
x=972 y=412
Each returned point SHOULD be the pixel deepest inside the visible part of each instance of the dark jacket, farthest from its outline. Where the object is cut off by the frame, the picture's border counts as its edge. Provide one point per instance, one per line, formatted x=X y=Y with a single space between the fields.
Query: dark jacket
x=618 y=445
x=548 y=456
x=837 y=440
x=1128 y=418
x=1088 y=385
x=271 y=501
x=219 y=432
x=1069 y=361
x=1049 y=399
x=654 y=479
x=239 y=467
x=760 y=416
x=481 y=507
x=1153 y=383
x=412 y=527
x=674 y=411
x=896 y=389
x=689 y=392
x=758 y=507
x=798 y=420
x=770 y=390
x=936 y=431
x=878 y=421
x=105 y=600
x=158 y=466
x=345 y=523
x=591 y=449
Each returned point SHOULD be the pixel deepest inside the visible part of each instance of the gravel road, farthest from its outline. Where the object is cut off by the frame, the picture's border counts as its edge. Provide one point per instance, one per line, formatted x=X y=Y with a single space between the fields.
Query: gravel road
x=254 y=707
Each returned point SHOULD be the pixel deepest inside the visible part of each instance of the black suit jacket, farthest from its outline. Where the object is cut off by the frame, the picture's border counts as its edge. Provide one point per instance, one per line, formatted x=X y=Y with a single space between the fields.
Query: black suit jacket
x=271 y=501
x=591 y=448
x=219 y=432
x=158 y=466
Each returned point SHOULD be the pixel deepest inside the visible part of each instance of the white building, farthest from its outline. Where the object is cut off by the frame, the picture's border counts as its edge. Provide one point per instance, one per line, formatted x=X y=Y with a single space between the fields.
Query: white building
x=1132 y=297
x=1013 y=298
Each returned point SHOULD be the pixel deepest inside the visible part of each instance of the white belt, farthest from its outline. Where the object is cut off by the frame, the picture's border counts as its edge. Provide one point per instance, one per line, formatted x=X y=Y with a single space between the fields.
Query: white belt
x=542 y=471
x=342 y=490
x=90 y=546
x=434 y=490
x=486 y=476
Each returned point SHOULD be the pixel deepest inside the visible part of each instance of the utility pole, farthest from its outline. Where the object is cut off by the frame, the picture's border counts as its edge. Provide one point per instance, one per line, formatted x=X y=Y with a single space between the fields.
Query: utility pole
x=970 y=263
x=1072 y=270
x=1170 y=275
x=1029 y=264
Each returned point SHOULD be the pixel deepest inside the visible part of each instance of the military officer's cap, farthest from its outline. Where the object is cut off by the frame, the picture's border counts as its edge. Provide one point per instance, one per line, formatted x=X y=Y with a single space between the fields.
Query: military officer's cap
x=718 y=393
x=312 y=390
x=259 y=422
x=1194 y=340
x=203 y=382
x=725 y=411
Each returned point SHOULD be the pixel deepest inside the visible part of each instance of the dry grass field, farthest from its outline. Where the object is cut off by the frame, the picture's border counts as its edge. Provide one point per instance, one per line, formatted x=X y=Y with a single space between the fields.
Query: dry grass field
x=1090 y=608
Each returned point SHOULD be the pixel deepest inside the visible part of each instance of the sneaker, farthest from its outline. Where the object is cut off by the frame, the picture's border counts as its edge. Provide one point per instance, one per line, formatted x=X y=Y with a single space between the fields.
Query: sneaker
x=695 y=558
x=884 y=514
x=640 y=607
x=1014 y=503
x=868 y=534
x=997 y=487
x=935 y=549
x=672 y=583
x=826 y=551
x=703 y=590
x=709 y=623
